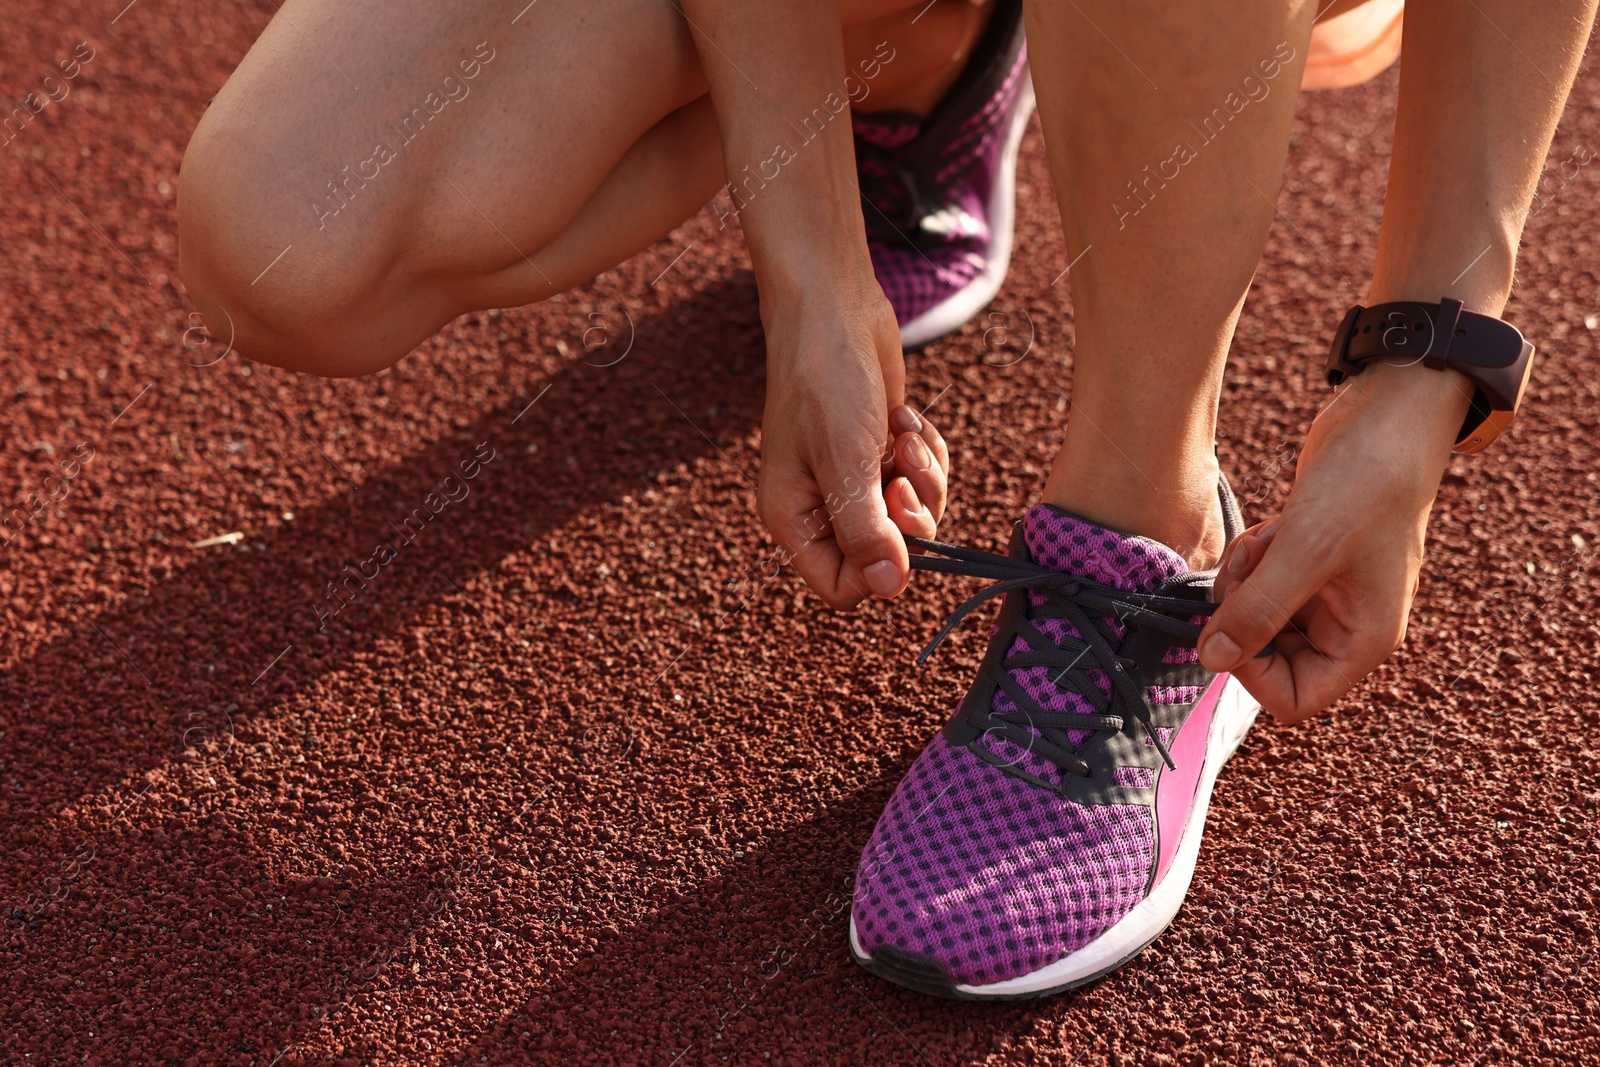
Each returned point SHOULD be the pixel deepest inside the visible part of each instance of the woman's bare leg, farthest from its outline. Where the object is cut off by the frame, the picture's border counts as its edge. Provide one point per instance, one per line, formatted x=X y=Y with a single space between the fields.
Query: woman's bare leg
x=1166 y=186
x=334 y=214
x=496 y=137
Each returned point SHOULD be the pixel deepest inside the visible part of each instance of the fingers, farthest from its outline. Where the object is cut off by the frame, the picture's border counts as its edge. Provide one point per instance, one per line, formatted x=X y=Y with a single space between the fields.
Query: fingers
x=845 y=527
x=1315 y=662
x=904 y=420
x=853 y=551
x=907 y=511
x=920 y=455
x=820 y=560
x=875 y=559
x=1296 y=683
x=1272 y=591
x=1242 y=555
x=1267 y=581
x=915 y=464
x=1262 y=588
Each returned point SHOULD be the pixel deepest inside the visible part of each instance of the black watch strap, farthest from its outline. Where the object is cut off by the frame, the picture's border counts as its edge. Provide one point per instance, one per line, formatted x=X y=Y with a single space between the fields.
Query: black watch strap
x=1489 y=351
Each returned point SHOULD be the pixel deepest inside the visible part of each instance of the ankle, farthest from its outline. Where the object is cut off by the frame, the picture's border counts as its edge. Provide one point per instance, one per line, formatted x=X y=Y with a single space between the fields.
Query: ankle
x=1185 y=514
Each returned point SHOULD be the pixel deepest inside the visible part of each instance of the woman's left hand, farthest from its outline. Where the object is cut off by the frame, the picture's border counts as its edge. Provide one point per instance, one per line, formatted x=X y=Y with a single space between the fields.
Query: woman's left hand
x=1330 y=581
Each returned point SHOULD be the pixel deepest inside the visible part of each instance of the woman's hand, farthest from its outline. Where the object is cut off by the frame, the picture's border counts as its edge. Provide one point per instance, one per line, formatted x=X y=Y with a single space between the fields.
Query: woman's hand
x=1330 y=581
x=837 y=484
x=846 y=467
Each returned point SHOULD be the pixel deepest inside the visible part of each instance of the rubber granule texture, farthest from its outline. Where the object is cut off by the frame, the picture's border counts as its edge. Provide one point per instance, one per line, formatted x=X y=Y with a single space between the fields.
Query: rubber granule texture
x=573 y=777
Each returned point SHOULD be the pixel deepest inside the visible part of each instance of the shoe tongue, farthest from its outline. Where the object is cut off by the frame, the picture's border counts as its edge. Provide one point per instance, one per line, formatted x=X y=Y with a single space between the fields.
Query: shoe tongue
x=1064 y=542
x=887 y=130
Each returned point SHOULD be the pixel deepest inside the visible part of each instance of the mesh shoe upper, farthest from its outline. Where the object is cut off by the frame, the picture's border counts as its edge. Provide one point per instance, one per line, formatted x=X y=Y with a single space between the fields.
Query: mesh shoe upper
x=978 y=862
x=926 y=186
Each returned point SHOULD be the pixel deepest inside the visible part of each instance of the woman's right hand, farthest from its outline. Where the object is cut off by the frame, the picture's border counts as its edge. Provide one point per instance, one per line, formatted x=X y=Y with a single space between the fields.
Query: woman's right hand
x=846 y=466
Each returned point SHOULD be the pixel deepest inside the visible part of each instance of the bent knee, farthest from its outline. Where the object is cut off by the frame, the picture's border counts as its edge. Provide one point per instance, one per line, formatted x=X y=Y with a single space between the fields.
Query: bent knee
x=265 y=278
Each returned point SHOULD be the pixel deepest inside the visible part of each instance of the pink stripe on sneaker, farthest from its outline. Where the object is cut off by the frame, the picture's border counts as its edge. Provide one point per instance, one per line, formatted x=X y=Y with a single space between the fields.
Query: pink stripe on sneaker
x=1175 y=789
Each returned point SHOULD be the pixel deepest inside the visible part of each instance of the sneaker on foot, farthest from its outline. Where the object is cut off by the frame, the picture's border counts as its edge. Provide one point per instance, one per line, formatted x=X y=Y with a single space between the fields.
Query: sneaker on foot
x=1049 y=832
x=939 y=195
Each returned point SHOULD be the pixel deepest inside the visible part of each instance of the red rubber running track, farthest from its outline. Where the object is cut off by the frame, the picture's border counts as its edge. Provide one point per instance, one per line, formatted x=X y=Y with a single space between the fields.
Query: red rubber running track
x=574 y=779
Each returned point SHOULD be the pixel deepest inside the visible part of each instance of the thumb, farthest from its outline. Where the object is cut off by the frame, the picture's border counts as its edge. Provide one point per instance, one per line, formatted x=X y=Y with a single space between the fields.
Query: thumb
x=1257 y=606
x=875 y=556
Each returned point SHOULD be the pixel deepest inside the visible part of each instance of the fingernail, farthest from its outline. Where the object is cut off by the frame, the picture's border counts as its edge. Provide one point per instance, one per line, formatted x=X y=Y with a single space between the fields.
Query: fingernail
x=1268 y=532
x=908 y=499
x=883 y=578
x=1244 y=557
x=903 y=420
x=1219 y=653
x=917 y=454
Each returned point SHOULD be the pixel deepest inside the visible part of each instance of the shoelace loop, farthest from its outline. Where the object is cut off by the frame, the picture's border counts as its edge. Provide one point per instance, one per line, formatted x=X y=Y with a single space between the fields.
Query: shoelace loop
x=1078 y=602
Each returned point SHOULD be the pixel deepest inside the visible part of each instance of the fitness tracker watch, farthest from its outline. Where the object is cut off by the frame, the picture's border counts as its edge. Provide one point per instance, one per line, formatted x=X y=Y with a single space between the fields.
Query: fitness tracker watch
x=1489 y=351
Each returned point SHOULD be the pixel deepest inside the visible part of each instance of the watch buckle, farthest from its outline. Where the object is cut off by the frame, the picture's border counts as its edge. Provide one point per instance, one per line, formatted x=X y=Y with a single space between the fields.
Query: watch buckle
x=1339 y=367
x=1437 y=357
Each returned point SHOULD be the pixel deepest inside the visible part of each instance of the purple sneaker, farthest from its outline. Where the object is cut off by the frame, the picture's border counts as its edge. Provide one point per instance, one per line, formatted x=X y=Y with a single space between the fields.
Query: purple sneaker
x=1049 y=833
x=939 y=196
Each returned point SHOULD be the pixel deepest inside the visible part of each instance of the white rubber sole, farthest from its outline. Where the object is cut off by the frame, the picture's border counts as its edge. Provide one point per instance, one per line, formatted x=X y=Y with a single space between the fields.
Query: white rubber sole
x=1235 y=712
x=955 y=311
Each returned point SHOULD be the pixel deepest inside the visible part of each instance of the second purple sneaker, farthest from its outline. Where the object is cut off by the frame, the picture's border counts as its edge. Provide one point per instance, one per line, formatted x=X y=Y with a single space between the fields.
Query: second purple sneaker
x=939 y=195
x=1050 y=831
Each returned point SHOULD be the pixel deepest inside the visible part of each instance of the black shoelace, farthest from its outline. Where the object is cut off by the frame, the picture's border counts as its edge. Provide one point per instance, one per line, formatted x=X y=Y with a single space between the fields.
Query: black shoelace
x=1090 y=608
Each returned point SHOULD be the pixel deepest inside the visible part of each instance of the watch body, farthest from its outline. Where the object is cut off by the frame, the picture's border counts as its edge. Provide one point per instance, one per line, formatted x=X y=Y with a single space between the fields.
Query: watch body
x=1489 y=351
